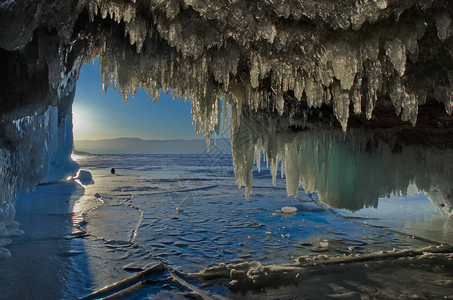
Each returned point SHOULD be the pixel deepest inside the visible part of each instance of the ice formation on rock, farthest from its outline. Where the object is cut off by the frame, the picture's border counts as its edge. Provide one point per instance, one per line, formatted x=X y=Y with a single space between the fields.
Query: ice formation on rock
x=344 y=59
x=346 y=55
x=318 y=52
x=37 y=90
x=41 y=147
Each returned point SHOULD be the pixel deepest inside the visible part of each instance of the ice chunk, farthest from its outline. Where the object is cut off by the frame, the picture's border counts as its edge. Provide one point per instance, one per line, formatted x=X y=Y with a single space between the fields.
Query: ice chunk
x=5 y=242
x=4 y=253
x=324 y=243
x=288 y=209
x=84 y=177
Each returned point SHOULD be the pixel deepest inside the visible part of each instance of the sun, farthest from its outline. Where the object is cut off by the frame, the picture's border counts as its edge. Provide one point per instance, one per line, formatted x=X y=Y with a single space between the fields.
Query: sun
x=78 y=121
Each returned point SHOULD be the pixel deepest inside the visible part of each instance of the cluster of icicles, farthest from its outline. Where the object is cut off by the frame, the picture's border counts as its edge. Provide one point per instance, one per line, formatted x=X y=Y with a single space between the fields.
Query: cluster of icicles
x=200 y=52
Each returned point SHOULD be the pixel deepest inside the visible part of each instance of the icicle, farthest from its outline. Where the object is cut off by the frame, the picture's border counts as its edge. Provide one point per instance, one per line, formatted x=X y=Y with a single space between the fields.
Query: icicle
x=396 y=51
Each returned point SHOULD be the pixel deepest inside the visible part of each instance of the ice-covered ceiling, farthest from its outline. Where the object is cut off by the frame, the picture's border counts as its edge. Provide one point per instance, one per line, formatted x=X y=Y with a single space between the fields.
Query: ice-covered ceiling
x=349 y=55
x=385 y=64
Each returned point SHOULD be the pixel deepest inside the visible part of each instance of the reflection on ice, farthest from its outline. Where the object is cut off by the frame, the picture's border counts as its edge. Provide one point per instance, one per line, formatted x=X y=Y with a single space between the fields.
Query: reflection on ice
x=414 y=215
x=348 y=170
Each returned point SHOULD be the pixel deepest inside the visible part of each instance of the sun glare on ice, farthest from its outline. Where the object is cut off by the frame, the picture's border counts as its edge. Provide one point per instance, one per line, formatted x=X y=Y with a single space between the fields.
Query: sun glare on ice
x=78 y=121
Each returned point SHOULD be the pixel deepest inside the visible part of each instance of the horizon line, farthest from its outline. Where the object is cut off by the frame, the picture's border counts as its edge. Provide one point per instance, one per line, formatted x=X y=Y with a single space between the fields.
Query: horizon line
x=142 y=139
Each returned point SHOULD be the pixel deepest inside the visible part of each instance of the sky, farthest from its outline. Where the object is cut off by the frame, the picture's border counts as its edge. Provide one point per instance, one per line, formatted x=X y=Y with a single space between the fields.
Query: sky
x=99 y=115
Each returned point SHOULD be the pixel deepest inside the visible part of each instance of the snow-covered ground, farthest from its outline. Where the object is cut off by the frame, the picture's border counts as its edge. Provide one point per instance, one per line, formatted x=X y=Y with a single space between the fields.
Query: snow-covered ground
x=186 y=213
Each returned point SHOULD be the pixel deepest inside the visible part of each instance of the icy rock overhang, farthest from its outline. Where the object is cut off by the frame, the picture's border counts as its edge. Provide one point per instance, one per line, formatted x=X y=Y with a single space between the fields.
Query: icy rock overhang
x=359 y=61
x=348 y=56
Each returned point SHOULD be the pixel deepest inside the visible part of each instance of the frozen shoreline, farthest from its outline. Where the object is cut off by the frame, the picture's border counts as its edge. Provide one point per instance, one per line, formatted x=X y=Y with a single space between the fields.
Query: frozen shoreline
x=41 y=257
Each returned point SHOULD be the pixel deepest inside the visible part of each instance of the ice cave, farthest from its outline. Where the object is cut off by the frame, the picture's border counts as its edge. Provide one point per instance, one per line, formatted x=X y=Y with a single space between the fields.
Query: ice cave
x=348 y=101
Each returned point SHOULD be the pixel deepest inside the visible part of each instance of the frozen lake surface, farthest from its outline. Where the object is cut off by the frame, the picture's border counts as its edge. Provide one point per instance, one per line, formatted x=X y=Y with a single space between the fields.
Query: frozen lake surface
x=186 y=212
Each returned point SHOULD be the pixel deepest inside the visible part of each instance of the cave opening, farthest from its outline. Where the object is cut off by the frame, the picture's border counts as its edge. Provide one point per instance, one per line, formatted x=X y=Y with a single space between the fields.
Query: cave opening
x=333 y=119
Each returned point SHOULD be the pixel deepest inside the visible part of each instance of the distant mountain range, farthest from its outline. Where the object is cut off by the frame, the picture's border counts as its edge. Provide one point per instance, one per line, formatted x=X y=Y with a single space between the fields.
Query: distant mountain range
x=139 y=146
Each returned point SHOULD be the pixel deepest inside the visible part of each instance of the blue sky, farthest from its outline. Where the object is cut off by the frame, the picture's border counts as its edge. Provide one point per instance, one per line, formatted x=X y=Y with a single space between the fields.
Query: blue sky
x=99 y=115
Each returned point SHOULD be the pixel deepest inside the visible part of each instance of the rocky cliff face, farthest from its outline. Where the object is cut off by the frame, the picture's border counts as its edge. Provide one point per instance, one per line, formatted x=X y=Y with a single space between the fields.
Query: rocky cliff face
x=377 y=63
